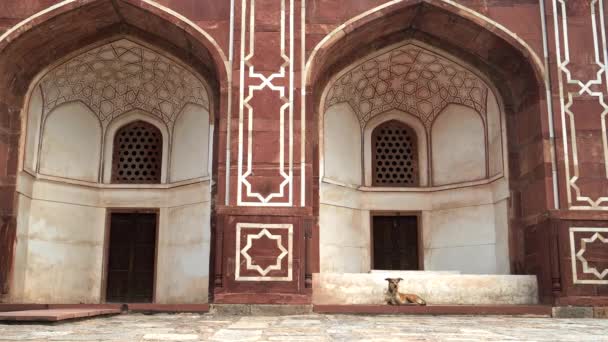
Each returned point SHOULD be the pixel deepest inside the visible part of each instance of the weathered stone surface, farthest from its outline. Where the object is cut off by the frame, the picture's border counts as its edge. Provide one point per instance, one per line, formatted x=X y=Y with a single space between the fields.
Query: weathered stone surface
x=317 y=328
x=260 y=310
x=573 y=312
x=600 y=312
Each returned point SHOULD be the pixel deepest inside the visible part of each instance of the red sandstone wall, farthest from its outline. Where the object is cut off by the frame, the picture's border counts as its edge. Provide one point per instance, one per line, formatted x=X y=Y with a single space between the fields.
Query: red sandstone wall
x=539 y=245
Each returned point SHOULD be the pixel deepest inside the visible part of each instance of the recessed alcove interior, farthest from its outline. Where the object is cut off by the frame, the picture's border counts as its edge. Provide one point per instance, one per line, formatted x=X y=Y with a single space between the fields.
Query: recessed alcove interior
x=65 y=187
x=462 y=191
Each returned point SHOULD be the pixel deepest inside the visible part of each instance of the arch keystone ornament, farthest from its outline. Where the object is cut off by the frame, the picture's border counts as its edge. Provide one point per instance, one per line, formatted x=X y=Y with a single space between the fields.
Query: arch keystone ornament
x=282 y=233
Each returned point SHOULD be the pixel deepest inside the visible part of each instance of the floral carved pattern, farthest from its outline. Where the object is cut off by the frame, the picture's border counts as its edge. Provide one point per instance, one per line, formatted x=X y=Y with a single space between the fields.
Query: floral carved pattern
x=121 y=76
x=409 y=78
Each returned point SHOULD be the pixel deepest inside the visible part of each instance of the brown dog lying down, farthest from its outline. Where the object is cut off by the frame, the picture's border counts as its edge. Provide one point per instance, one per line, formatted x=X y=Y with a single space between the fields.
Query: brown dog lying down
x=393 y=297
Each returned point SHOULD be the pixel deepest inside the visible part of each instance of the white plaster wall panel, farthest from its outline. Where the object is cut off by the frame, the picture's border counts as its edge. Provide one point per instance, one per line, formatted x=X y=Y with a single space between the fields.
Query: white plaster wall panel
x=34 y=116
x=183 y=258
x=71 y=143
x=25 y=183
x=110 y=196
x=342 y=145
x=65 y=253
x=471 y=259
x=76 y=194
x=501 y=225
x=190 y=148
x=446 y=289
x=458 y=146
x=157 y=197
x=188 y=194
x=344 y=239
x=460 y=227
x=424 y=199
x=21 y=248
x=338 y=195
x=495 y=150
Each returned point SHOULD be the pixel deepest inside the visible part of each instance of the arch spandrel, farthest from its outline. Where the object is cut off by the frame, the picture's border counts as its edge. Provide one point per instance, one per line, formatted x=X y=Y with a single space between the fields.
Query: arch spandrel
x=410 y=78
x=122 y=76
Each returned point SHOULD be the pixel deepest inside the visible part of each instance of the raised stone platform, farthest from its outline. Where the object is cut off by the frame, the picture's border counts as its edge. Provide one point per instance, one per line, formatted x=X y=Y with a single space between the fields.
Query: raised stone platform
x=435 y=288
x=502 y=310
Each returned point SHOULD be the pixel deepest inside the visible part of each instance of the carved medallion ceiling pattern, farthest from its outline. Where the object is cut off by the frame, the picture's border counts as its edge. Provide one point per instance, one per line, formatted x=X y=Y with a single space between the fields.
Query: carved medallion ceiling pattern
x=121 y=76
x=411 y=79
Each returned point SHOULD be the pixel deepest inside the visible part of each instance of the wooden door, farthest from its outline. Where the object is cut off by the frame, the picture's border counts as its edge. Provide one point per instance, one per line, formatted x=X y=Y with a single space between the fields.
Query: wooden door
x=395 y=243
x=131 y=258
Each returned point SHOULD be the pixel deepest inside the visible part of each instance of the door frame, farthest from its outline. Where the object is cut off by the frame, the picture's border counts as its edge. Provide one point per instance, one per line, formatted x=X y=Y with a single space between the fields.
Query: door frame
x=106 y=246
x=417 y=214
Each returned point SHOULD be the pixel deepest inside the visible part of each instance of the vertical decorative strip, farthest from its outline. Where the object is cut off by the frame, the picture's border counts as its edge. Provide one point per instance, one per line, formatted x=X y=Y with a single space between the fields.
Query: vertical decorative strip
x=574 y=92
x=266 y=106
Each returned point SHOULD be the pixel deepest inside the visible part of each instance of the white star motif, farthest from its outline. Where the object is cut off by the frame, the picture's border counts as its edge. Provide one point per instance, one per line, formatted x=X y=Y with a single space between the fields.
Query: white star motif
x=277 y=265
x=579 y=256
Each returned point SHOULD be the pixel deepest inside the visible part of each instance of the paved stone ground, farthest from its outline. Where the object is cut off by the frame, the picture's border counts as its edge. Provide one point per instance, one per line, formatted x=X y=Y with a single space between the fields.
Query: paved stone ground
x=316 y=328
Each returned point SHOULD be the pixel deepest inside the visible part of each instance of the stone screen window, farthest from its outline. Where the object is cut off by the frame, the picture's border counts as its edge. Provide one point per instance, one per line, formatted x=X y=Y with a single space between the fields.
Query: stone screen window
x=394 y=155
x=137 y=155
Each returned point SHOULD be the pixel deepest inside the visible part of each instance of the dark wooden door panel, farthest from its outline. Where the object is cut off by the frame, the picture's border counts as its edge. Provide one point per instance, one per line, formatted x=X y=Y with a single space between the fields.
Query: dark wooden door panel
x=395 y=242
x=131 y=259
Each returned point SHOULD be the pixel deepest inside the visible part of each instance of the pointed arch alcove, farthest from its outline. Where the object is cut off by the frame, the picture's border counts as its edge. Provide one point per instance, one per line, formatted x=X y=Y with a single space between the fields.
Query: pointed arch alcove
x=509 y=118
x=59 y=32
x=123 y=73
x=416 y=92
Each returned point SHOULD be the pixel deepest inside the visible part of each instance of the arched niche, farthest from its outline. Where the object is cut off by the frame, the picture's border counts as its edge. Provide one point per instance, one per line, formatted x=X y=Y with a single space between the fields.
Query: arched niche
x=69 y=24
x=422 y=142
x=71 y=143
x=124 y=120
x=191 y=147
x=458 y=146
x=342 y=145
x=449 y=104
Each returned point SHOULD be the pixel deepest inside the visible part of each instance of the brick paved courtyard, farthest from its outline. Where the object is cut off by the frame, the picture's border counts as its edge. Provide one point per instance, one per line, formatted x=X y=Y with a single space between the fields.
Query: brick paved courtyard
x=317 y=328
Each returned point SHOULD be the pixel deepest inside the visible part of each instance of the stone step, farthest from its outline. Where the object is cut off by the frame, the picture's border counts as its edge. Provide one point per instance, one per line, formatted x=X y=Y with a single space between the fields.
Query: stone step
x=260 y=309
x=54 y=315
x=502 y=310
x=397 y=274
x=444 y=289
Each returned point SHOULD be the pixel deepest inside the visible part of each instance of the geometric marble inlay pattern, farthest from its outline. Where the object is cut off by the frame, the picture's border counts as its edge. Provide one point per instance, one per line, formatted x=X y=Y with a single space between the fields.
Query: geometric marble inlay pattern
x=582 y=80
x=589 y=266
x=261 y=243
x=409 y=78
x=121 y=76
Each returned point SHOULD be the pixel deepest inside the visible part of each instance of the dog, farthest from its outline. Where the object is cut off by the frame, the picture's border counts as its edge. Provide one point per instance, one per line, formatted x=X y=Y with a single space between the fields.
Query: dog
x=395 y=298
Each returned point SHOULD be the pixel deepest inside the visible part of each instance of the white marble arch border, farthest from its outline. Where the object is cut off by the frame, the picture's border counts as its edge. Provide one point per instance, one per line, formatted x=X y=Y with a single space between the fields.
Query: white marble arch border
x=121 y=121
x=444 y=54
x=467 y=13
x=422 y=143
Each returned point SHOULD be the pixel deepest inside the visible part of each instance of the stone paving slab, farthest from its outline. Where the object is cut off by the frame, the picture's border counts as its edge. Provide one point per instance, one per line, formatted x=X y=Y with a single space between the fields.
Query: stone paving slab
x=53 y=315
x=310 y=327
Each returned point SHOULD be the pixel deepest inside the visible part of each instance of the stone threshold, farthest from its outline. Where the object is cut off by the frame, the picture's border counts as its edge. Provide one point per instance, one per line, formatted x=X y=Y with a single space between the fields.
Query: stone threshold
x=507 y=310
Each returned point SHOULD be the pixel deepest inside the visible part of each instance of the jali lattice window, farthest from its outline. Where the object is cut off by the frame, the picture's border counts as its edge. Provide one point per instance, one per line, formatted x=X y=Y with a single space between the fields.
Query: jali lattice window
x=394 y=155
x=137 y=157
